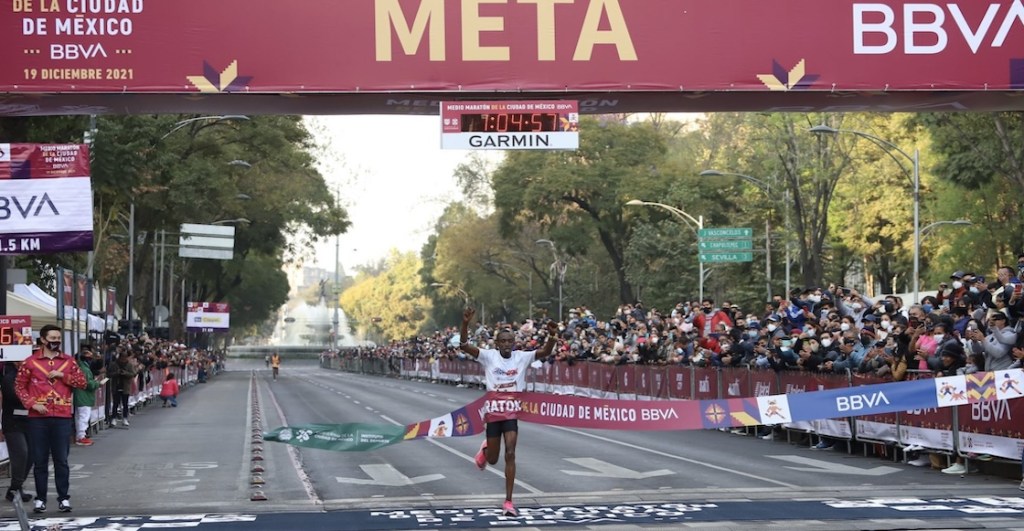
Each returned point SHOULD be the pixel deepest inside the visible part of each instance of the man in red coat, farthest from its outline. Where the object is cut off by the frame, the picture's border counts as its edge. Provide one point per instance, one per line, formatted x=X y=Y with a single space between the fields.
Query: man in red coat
x=44 y=384
x=708 y=322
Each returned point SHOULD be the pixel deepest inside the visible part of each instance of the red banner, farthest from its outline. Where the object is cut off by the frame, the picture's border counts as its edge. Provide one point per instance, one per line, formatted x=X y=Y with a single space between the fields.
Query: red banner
x=706 y=383
x=78 y=48
x=680 y=385
x=111 y=303
x=81 y=292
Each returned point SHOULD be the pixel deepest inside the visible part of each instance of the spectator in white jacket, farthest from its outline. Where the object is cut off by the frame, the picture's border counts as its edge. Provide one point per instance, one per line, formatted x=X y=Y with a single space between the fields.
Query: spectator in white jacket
x=997 y=344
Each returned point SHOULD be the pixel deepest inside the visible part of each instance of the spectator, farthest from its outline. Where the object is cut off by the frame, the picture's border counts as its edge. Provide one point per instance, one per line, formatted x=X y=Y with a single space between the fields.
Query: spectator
x=44 y=384
x=85 y=398
x=707 y=322
x=997 y=344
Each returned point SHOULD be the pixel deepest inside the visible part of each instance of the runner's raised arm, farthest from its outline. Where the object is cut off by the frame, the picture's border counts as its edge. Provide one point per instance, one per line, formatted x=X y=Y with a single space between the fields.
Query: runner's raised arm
x=464 y=345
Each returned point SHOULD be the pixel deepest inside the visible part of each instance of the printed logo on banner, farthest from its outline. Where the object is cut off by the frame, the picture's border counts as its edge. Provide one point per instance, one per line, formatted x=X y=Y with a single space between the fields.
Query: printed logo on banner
x=716 y=413
x=5 y=152
x=441 y=426
x=461 y=423
x=981 y=386
x=952 y=390
x=1010 y=384
x=227 y=80
x=774 y=409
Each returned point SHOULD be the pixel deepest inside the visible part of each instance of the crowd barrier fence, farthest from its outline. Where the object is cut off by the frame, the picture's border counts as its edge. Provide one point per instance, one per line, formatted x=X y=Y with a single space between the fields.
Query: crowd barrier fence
x=981 y=428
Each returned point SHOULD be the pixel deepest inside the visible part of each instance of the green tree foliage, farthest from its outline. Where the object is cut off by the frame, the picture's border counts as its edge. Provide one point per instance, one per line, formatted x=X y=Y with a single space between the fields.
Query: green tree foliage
x=579 y=196
x=984 y=152
x=201 y=171
x=392 y=304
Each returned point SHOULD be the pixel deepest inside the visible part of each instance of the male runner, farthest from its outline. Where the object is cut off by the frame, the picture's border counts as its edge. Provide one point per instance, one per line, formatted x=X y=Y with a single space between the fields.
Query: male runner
x=504 y=371
x=275 y=363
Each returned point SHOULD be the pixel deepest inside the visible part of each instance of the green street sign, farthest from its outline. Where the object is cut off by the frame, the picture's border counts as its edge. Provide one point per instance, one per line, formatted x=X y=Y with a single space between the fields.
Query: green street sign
x=725 y=245
x=725 y=232
x=726 y=257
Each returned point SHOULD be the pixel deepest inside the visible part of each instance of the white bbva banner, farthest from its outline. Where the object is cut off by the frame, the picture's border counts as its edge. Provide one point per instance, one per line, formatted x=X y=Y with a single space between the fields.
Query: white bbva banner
x=45 y=198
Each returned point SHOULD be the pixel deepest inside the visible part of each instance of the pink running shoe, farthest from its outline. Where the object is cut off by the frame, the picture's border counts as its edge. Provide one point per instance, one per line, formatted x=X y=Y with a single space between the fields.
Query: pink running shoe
x=481 y=456
x=510 y=510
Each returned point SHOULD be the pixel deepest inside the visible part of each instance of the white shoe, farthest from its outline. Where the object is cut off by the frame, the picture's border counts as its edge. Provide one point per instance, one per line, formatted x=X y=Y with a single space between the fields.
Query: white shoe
x=125 y=421
x=769 y=437
x=922 y=460
x=956 y=468
x=1021 y=487
x=913 y=448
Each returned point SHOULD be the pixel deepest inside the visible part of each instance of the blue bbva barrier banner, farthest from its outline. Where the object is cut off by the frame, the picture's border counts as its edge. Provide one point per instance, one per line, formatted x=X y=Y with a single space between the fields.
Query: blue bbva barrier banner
x=591 y=413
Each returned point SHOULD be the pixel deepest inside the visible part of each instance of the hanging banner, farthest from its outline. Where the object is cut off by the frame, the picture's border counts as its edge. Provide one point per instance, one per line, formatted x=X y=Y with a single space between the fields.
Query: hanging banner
x=111 y=303
x=45 y=198
x=617 y=54
x=638 y=415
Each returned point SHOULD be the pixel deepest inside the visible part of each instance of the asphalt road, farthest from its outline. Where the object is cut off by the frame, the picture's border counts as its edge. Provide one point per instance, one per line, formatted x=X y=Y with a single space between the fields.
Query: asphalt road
x=191 y=467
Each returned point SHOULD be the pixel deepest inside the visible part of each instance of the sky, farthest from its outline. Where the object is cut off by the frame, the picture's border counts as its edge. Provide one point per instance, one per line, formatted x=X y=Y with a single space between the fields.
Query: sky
x=394 y=178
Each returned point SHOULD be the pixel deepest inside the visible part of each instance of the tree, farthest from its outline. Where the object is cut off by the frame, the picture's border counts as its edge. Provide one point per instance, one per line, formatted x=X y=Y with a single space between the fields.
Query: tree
x=393 y=303
x=579 y=196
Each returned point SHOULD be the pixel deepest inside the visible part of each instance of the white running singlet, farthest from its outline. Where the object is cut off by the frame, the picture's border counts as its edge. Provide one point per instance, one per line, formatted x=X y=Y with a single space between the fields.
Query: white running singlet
x=505 y=375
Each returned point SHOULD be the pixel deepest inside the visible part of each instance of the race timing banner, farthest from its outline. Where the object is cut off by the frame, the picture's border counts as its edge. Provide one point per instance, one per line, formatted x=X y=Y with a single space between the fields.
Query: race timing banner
x=666 y=415
x=45 y=199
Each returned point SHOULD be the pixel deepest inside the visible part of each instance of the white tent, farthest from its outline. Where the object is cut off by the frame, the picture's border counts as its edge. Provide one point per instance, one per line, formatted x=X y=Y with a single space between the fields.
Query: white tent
x=41 y=315
x=35 y=294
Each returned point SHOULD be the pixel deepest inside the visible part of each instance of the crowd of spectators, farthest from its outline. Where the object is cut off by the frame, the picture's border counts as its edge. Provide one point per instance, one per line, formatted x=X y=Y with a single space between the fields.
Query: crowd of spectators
x=123 y=360
x=971 y=324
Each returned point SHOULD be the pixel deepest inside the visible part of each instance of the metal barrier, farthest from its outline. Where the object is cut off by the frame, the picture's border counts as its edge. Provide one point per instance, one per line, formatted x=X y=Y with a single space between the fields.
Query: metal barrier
x=990 y=429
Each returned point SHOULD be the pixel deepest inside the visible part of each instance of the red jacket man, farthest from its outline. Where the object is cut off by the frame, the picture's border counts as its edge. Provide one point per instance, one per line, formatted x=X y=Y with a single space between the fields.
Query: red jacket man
x=44 y=385
x=707 y=323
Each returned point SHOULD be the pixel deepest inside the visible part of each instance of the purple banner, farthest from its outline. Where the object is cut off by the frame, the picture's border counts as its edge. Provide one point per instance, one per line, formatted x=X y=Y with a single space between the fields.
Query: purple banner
x=45 y=242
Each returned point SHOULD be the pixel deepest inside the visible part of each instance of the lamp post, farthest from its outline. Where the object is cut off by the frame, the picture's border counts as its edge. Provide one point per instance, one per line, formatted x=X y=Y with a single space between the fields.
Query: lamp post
x=927 y=228
x=462 y=293
x=695 y=224
x=559 y=266
x=915 y=180
x=766 y=187
x=213 y=119
x=528 y=275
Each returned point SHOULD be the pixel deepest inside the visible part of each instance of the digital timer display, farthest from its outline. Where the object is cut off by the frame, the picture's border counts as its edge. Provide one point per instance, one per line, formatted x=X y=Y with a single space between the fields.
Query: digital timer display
x=519 y=122
x=8 y=336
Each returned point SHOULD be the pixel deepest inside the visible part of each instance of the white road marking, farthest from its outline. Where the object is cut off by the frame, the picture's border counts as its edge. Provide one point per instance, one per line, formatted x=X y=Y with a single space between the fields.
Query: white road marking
x=388 y=476
x=293 y=453
x=815 y=465
x=604 y=469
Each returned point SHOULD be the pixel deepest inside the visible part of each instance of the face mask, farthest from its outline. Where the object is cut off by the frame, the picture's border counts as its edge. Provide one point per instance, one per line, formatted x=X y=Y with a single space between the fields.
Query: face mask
x=53 y=345
x=927 y=308
x=815 y=298
x=856 y=306
x=772 y=328
x=975 y=290
x=938 y=337
x=845 y=327
x=826 y=342
x=814 y=347
x=679 y=351
x=752 y=334
x=707 y=310
x=957 y=284
x=887 y=325
x=810 y=332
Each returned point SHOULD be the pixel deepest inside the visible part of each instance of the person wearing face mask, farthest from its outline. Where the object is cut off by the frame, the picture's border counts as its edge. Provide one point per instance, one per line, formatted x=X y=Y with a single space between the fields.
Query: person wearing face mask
x=44 y=384
x=855 y=306
x=707 y=322
x=997 y=344
x=959 y=288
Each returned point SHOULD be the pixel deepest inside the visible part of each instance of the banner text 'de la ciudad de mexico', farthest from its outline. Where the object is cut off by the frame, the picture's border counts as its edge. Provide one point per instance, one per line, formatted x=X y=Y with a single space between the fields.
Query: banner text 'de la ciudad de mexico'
x=125 y=47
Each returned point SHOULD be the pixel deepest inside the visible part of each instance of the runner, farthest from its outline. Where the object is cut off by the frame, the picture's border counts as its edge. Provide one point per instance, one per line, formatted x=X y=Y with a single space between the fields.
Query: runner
x=505 y=371
x=275 y=363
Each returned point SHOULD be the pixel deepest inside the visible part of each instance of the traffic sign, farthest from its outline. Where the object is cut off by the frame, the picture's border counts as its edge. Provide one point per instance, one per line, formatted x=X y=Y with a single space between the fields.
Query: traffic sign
x=725 y=232
x=726 y=257
x=725 y=245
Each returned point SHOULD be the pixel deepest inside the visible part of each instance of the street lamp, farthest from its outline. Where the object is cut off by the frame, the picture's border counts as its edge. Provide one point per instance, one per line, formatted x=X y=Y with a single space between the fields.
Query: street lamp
x=528 y=275
x=559 y=267
x=927 y=228
x=240 y=221
x=460 y=291
x=915 y=177
x=765 y=187
x=214 y=119
x=695 y=224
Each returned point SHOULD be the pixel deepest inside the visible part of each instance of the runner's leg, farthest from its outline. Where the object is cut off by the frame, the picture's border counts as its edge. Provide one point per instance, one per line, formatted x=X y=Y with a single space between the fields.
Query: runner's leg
x=511 y=437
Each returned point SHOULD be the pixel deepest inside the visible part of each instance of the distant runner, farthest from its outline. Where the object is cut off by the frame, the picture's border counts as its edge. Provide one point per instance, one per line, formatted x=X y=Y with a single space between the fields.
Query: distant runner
x=275 y=363
x=504 y=371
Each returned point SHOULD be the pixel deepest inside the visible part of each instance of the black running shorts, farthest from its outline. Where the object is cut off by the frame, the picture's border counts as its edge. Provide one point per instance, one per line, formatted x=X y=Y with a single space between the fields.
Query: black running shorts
x=495 y=429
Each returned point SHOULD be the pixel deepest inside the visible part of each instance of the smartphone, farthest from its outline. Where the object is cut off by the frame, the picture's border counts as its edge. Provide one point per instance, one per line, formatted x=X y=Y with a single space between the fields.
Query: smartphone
x=846 y=291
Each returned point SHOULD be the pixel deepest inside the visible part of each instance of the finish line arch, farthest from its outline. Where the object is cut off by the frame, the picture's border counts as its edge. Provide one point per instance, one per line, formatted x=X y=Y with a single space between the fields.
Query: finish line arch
x=406 y=56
